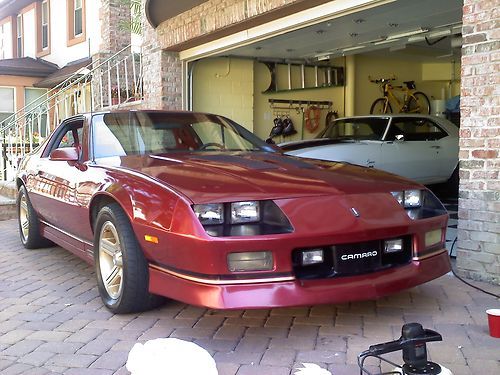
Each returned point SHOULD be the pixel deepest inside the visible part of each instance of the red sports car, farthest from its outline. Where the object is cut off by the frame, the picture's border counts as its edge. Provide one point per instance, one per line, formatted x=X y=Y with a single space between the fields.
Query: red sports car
x=194 y=207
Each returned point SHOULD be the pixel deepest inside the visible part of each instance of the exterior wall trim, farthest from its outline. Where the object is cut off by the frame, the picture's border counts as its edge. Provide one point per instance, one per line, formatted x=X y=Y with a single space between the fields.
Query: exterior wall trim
x=278 y=25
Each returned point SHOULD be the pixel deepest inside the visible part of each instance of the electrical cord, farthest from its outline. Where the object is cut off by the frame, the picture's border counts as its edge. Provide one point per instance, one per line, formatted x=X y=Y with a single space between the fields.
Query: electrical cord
x=462 y=280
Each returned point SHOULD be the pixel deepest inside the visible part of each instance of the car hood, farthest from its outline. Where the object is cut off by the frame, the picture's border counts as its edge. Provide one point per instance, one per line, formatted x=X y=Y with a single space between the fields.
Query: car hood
x=221 y=177
x=296 y=145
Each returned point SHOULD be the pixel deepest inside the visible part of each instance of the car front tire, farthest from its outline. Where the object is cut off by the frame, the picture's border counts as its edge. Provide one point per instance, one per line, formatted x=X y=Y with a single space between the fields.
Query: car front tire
x=121 y=268
x=29 y=225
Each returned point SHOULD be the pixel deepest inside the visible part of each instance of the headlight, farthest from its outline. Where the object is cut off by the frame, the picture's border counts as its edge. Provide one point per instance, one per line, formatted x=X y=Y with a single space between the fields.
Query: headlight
x=419 y=204
x=248 y=218
x=212 y=213
x=408 y=198
x=245 y=212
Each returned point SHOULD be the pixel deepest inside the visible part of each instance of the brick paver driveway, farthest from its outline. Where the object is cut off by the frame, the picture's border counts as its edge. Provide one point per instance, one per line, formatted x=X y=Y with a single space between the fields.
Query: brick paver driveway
x=52 y=321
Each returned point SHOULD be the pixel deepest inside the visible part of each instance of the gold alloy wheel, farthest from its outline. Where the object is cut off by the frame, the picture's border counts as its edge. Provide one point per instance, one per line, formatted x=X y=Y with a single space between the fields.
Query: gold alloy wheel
x=110 y=260
x=24 y=217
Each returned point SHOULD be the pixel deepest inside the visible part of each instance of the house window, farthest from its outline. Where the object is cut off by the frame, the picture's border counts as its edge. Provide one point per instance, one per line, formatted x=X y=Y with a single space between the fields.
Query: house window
x=78 y=18
x=45 y=24
x=19 y=35
x=6 y=103
x=76 y=21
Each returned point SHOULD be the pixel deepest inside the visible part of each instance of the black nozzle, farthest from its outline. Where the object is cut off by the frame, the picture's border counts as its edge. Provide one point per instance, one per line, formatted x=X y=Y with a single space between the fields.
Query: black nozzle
x=414 y=338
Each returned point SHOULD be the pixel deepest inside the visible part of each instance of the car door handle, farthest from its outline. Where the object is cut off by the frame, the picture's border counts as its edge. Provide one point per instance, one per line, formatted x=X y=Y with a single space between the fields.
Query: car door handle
x=437 y=147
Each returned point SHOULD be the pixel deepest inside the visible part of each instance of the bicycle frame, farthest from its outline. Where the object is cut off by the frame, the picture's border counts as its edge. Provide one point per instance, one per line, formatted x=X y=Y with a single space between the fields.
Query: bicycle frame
x=388 y=93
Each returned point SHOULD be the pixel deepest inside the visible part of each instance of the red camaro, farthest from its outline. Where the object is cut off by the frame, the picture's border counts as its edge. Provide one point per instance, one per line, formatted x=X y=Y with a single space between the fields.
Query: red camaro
x=194 y=207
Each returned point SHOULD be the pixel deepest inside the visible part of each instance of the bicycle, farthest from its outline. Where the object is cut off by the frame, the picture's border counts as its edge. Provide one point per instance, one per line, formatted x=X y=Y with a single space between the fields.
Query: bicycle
x=413 y=101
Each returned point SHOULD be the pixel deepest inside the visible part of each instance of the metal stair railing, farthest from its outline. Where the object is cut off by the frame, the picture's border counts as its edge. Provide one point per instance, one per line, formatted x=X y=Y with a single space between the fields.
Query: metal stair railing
x=112 y=82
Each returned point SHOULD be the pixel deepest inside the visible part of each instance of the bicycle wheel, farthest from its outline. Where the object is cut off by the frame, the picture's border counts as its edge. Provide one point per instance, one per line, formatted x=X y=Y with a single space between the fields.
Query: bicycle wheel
x=380 y=106
x=419 y=103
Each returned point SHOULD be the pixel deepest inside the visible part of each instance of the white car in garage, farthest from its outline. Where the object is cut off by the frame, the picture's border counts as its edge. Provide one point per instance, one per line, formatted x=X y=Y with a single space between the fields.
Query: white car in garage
x=420 y=147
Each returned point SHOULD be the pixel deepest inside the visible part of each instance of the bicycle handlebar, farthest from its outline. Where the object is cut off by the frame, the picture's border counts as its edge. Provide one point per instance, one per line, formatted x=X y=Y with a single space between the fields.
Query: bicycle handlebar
x=382 y=80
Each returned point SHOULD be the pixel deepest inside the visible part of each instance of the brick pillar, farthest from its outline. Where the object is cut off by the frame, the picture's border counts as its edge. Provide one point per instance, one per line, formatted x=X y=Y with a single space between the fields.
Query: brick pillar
x=478 y=253
x=162 y=73
x=114 y=15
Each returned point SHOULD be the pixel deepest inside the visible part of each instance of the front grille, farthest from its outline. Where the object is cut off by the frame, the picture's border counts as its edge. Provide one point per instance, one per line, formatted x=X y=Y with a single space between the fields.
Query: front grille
x=351 y=259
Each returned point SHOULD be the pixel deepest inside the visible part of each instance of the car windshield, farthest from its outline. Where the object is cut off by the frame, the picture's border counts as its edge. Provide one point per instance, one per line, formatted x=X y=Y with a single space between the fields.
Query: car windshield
x=356 y=129
x=143 y=133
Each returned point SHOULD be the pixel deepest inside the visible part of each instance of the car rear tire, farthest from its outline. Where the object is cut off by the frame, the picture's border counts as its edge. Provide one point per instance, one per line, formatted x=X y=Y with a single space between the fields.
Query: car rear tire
x=379 y=107
x=121 y=268
x=29 y=224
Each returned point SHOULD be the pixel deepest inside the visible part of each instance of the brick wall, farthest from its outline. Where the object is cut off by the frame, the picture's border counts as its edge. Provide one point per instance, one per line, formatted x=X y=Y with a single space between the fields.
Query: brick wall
x=478 y=254
x=211 y=16
x=162 y=73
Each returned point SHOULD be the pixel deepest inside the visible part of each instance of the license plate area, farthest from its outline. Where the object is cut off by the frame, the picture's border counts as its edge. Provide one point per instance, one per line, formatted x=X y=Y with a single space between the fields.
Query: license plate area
x=357 y=258
x=351 y=259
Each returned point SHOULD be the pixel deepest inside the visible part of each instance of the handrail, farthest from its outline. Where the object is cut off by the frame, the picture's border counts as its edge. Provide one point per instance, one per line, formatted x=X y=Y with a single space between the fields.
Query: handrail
x=113 y=81
x=55 y=90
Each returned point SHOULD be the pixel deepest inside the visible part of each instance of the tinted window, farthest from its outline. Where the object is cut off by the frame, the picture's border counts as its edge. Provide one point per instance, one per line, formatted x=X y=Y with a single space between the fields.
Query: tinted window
x=141 y=133
x=356 y=128
x=415 y=130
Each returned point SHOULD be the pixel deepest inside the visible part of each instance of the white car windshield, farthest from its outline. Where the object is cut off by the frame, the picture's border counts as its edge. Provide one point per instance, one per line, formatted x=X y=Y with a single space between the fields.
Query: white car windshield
x=356 y=129
x=143 y=133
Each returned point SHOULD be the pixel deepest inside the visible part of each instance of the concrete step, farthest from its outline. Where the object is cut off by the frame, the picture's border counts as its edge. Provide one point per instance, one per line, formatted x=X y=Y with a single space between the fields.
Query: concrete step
x=8 y=189
x=8 y=194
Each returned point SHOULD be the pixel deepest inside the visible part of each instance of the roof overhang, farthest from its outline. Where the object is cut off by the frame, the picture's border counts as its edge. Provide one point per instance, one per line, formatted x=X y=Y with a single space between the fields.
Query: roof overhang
x=158 y=11
x=26 y=67
x=12 y=7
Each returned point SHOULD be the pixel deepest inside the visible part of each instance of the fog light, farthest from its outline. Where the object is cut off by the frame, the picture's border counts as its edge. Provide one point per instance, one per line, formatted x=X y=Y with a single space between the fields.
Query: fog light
x=433 y=237
x=393 y=246
x=250 y=261
x=312 y=257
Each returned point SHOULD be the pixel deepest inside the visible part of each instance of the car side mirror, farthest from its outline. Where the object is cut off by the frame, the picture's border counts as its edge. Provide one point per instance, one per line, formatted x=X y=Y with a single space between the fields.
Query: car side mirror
x=65 y=154
x=400 y=137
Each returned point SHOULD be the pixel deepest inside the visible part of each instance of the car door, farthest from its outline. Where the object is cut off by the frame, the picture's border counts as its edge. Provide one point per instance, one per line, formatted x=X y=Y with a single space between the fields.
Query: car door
x=54 y=189
x=412 y=148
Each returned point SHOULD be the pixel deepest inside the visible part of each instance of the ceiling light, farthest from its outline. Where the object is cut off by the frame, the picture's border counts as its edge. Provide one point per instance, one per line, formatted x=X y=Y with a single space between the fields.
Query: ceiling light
x=323 y=57
x=386 y=41
x=352 y=48
x=407 y=33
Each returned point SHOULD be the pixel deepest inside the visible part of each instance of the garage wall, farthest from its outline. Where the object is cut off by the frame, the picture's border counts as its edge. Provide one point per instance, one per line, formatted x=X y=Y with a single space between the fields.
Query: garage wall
x=404 y=70
x=264 y=114
x=225 y=86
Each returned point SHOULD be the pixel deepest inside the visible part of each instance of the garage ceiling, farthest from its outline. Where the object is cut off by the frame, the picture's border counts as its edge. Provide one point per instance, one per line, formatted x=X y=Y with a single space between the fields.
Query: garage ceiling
x=422 y=29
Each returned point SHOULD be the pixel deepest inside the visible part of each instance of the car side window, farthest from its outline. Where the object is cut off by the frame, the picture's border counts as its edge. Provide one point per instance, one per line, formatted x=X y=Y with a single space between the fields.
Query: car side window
x=71 y=135
x=415 y=129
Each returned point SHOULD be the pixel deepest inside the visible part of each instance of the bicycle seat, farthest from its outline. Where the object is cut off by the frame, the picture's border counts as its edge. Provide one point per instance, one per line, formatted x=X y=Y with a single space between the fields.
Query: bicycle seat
x=410 y=84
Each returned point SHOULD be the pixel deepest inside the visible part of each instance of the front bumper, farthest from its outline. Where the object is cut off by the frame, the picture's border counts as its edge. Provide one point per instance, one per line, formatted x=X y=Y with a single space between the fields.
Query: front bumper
x=293 y=292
